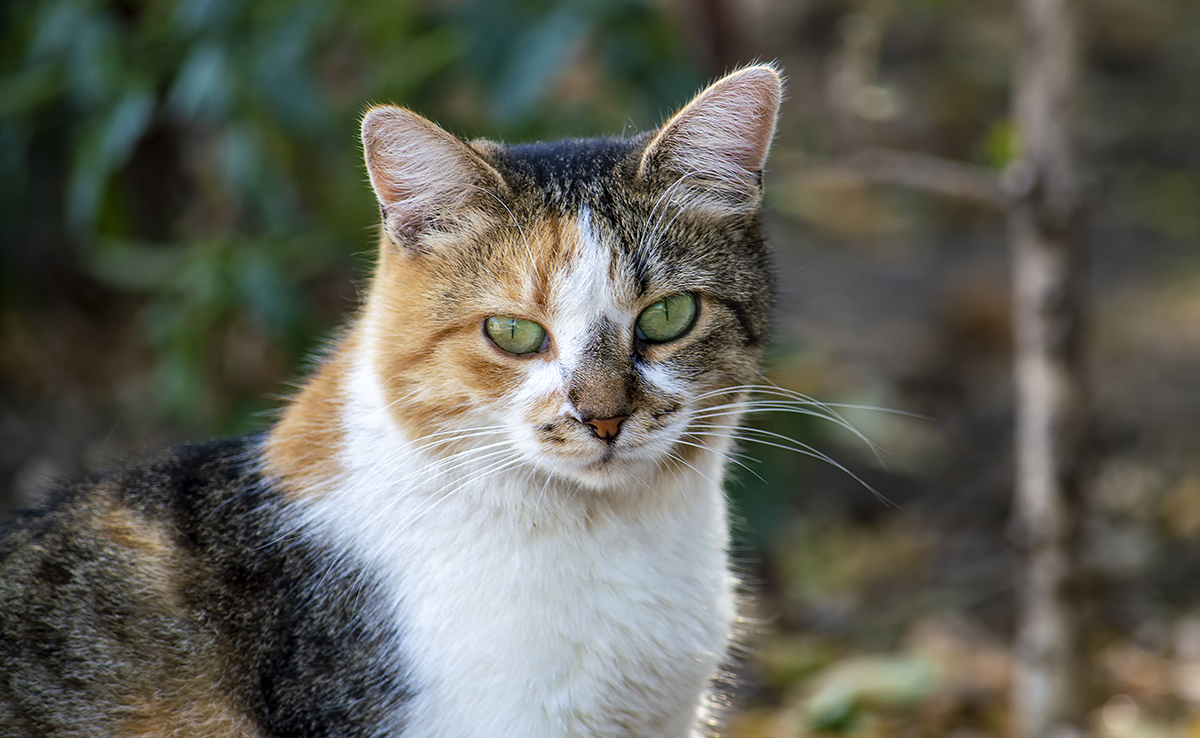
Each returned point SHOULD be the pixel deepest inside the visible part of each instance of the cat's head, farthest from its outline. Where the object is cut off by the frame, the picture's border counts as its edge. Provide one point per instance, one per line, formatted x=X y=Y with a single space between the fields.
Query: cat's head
x=583 y=307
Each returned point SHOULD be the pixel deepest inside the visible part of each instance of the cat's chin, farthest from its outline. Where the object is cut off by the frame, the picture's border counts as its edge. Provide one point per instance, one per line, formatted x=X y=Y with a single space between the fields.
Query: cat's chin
x=610 y=471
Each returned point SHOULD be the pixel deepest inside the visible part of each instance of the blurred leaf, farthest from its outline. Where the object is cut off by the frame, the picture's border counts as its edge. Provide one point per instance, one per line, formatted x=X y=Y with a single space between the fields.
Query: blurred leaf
x=262 y=289
x=106 y=148
x=93 y=61
x=56 y=27
x=419 y=60
x=202 y=88
x=282 y=67
x=27 y=89
x=541 y=54
x=193 y=16
x=869 y=681
x=241 y=160
x=137 y=267
x=1001 y=145
x=790 y=660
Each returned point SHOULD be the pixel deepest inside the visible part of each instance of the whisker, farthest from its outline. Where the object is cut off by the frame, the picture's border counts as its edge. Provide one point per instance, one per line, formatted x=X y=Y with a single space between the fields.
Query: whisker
x=752 y=406
x=729 y=456
x=679 y=459
x=767 y=389
x=790 y=444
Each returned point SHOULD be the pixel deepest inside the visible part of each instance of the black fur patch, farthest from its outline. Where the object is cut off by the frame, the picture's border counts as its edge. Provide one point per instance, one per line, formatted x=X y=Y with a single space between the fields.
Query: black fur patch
x=279 y=620
x=569 y=173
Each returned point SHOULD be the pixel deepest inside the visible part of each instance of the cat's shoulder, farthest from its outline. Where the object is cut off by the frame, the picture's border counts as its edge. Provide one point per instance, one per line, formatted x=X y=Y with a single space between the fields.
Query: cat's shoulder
x=171 y=590
x=148 y=508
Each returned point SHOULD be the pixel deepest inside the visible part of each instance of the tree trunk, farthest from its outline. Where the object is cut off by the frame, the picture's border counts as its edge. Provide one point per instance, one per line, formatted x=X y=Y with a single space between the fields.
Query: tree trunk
x=1045 y=230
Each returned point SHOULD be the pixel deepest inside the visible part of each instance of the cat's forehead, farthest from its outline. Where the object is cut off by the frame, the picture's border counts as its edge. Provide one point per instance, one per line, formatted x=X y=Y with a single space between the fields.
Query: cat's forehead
x=564 y=263
x=568 y=174
x=568 y=234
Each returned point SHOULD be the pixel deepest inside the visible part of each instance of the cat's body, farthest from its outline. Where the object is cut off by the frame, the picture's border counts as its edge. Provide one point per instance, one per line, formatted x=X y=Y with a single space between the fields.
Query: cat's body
x=496 y=510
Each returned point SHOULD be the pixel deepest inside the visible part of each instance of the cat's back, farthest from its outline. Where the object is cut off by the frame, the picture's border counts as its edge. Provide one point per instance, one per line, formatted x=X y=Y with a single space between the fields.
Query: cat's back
x=172 y=596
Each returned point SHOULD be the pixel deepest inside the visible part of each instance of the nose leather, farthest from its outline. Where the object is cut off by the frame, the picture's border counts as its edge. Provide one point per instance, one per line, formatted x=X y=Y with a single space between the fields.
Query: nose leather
x=606 y=429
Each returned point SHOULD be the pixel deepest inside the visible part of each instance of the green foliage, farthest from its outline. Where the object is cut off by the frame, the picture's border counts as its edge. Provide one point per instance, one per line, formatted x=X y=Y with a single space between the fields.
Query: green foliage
x=843 y=697
x=200 y=156
x=1001 y=144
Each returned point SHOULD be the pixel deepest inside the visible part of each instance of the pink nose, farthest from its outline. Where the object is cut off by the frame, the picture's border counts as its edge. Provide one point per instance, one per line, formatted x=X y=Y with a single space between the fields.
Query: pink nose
x=606 y=429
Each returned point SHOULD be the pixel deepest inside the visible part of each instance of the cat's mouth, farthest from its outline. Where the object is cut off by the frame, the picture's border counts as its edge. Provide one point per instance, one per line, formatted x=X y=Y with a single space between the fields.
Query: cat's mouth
x=606 y=458
x=609 y=455
x=644 y=442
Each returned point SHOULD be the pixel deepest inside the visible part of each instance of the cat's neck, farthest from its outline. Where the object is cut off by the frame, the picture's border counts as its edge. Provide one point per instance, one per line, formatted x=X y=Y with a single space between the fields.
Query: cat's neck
x=302 y=454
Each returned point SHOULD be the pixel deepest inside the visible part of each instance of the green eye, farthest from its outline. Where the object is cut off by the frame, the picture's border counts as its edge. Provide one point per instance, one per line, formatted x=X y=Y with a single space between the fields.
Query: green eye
x=515 y=335
x=667 y=319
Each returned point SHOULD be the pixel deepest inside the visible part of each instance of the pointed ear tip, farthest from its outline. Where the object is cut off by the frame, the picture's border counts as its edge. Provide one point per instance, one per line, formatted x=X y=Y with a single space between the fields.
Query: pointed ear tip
x=766 y=69
x=382 y=115
x=766 y=76
x=372 y=119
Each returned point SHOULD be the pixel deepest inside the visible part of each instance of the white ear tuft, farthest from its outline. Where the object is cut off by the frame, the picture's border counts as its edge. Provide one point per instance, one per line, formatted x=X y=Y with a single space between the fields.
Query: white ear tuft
x=712 y=152
x=423 y=176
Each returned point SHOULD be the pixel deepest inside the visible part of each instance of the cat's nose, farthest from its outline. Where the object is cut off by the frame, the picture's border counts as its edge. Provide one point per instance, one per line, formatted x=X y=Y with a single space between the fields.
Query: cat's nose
x=606 y=429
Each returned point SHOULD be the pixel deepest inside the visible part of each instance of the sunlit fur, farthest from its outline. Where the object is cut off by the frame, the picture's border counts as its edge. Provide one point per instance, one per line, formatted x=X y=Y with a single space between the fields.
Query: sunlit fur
x=543 y=581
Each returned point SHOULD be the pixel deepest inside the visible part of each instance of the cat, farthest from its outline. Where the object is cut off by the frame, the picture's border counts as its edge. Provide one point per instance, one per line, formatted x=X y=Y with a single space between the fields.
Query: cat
x=495 y=509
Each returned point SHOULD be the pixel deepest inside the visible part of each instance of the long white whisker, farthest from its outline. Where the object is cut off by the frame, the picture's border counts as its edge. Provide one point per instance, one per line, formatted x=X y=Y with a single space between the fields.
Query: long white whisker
x=533 y=260
x=790 y=444
x=766 y=389
x=677 y=458
x=752 y=406
x=729 y=455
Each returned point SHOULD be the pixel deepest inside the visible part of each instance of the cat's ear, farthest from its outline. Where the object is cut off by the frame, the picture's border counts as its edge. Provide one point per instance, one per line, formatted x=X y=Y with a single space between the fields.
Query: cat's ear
x=428 y=182
x=711 y=153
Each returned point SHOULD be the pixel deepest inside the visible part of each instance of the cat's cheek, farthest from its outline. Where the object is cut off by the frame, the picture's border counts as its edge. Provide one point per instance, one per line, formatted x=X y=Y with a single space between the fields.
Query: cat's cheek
x=536 y=395
x=662 y=380
x=533 y=408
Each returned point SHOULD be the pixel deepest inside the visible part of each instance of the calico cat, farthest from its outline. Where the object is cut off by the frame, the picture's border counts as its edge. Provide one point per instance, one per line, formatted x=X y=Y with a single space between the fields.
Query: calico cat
x=494 y=510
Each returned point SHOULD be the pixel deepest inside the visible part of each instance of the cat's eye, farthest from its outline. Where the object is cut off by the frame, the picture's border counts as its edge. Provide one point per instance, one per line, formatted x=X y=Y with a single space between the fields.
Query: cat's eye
x=667 y=319
x=515 y=335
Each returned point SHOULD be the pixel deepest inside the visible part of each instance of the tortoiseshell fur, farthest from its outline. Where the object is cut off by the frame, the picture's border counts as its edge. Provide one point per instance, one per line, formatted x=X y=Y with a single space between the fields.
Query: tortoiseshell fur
x=432 y=541
x=167 y=599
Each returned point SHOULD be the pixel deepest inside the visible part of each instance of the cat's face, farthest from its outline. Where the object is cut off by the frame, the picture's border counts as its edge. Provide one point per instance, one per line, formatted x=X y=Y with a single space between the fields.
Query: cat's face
x=584 y=308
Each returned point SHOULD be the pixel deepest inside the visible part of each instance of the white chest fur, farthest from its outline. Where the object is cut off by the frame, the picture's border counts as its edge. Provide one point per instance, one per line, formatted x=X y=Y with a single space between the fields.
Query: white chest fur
x=607 y=632
x=527 y=607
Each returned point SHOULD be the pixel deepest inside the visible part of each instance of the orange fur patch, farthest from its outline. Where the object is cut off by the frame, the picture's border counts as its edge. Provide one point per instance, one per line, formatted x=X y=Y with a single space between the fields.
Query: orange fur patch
x=191 y=713
x=428 y=311
x=168 y=698
x=153 y=553
x=435 y=366
x=129 y=530
x=301 y=451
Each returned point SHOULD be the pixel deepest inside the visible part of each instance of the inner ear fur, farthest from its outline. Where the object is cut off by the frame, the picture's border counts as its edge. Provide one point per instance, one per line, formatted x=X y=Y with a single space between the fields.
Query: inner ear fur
x=711 y=153
x=429 y=184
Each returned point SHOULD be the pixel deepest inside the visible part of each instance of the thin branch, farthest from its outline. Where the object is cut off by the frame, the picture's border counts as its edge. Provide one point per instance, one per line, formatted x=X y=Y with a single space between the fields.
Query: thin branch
x=934 y=174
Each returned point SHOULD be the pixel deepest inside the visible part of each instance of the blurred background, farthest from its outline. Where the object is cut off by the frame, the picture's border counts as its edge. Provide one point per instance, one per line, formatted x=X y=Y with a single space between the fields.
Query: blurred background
x=184 y=219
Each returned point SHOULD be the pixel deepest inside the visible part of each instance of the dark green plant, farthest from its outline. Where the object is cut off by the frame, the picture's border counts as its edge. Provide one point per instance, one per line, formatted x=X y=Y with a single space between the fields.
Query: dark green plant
x=199 y=157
